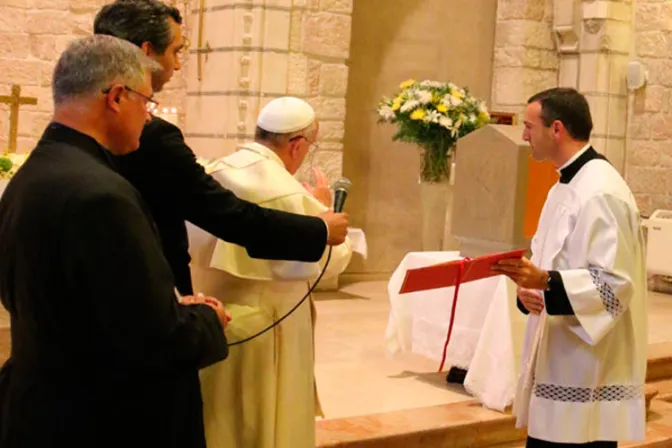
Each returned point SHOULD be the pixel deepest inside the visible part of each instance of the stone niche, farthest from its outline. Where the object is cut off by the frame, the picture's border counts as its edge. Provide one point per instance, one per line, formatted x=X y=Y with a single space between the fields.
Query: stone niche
x=499 y=191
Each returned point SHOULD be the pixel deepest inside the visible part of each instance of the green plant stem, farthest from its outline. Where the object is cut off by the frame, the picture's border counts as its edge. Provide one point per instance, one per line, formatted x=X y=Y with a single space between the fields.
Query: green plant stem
x=436 y=161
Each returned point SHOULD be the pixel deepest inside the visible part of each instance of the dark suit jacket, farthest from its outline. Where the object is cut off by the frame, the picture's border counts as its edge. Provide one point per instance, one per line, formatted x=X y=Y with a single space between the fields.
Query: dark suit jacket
x=102 y=353
x=177 y=189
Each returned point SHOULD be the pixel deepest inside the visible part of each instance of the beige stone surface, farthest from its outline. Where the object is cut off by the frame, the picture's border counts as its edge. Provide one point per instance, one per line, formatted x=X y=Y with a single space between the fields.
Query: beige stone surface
x=526 y=59
x=490 y=190
x=342 y=6
x=649 y=158
x=332 y=131
x=333 y=80
x=327 y=34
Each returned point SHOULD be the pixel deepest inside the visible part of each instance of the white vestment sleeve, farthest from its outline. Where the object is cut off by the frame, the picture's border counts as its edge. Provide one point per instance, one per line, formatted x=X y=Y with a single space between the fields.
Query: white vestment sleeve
x=295 y=270
x=605 y=239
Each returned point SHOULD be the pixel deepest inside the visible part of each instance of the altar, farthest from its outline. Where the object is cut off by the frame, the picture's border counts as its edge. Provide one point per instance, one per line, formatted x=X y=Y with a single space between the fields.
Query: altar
x=488 y=330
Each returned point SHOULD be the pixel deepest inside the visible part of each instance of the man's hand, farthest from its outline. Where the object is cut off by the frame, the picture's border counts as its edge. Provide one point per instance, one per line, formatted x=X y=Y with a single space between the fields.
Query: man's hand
x=523 y=272
x=337 y=223
x=223 y=315
x=321 y=190
x=531 y=300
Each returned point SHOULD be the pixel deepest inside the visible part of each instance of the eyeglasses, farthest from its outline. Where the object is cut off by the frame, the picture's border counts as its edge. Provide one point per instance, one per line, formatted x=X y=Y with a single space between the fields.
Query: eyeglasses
x=150 y=102
x=312 y=148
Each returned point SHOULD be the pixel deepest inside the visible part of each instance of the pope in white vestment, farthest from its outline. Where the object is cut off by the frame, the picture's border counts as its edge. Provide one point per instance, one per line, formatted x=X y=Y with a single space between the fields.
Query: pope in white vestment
x=264 y=395
x=584 y=364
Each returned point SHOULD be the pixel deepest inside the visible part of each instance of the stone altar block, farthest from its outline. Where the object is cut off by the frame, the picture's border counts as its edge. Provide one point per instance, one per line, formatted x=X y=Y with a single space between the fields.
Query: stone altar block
x=499 y=191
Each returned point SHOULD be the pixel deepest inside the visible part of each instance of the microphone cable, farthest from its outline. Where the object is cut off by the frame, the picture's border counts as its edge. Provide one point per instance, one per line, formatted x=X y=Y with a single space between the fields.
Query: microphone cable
x=270 y=327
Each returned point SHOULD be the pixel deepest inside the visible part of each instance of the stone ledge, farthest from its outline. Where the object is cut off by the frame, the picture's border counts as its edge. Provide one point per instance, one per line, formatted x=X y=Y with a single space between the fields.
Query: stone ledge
x=465 y=424
x=659 y=366
x=468 y=424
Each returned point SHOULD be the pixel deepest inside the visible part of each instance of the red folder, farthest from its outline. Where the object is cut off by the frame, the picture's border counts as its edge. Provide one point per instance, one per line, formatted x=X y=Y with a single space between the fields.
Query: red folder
x=454 y=273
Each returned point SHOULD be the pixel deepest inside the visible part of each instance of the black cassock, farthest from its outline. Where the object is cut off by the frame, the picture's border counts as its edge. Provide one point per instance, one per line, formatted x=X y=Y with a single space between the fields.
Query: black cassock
x=102 y=353
x=177 y=189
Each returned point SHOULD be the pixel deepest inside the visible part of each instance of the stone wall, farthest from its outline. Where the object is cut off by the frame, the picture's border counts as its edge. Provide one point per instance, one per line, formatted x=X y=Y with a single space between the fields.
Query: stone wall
x=33 y=35
x=389 y=46
x=525 y=59
x=257 y=52
x=649 y=158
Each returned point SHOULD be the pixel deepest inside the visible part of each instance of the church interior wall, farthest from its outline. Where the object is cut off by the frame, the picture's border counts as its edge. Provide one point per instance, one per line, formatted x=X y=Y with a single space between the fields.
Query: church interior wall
x=344 y=55
x=649 y=155
x=414 y=39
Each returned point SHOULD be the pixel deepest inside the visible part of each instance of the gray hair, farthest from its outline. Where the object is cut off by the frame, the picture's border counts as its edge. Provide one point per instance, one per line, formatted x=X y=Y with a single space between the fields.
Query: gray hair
x=282 y=139
x=91 y=64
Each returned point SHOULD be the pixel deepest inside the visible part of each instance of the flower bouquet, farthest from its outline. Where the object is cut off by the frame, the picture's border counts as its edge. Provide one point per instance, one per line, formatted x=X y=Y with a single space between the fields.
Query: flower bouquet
x=434 y=116
x=10 y=164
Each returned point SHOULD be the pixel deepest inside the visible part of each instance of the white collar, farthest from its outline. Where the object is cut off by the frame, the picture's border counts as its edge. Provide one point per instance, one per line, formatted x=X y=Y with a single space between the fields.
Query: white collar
x=574 y=157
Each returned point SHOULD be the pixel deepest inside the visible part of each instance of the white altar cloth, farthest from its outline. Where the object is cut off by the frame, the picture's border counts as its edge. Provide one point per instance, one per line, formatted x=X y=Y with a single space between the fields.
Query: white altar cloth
x=487 y=335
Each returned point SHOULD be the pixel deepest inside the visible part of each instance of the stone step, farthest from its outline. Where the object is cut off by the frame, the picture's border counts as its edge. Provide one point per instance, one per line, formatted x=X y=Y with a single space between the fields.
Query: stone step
x=463 y=424
x=659 y=366
x=468 y=424
x=658 y=430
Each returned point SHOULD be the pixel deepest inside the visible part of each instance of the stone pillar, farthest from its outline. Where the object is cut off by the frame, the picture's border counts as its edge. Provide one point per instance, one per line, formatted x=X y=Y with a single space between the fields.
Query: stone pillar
x=526 y=60
x=262 y=50
x=567 y=17
x=606 y=42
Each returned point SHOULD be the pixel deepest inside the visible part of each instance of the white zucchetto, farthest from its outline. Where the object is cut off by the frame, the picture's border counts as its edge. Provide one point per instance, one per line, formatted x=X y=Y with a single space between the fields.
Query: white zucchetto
x=286 y=115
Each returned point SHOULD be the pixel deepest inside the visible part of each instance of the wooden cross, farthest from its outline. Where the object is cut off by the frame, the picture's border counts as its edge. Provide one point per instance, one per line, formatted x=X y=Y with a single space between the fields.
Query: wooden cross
x=15 y=100
x=201 y=50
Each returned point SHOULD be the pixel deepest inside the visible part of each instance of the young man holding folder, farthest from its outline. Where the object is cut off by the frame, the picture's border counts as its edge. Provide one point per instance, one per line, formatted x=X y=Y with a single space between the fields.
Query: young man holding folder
x=584 y=363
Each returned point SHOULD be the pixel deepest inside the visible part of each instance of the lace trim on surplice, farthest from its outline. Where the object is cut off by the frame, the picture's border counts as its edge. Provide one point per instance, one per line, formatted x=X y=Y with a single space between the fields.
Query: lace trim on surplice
x=609 y=299
x=614 y=392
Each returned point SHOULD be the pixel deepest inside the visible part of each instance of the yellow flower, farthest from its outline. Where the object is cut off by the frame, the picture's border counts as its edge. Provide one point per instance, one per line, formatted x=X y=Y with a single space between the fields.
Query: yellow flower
x=406 y=84
x=442 y=108
x=396 y=103
x=418 y=114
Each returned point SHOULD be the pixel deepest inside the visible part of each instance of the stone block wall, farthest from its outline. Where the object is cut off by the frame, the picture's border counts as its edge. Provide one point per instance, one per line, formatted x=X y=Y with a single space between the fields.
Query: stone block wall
x=33 y=34
x=525 y=57
x=262 y=51
x=649 y=155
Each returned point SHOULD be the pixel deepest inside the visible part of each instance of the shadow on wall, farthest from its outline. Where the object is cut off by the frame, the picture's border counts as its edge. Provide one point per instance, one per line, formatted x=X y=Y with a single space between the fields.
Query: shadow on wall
x=391 y=42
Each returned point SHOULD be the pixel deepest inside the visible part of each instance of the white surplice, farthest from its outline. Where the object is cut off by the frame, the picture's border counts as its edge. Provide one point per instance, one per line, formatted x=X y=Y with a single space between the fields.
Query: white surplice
x=583 y=375
x=263 y=395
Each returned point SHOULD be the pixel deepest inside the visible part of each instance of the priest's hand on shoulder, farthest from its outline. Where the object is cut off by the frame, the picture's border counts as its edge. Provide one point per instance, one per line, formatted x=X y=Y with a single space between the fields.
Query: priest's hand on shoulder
x=523 y=273
x=223 y=315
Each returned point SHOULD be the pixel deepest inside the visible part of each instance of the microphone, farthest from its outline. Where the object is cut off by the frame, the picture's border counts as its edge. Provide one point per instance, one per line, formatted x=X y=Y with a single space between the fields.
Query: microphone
x=341 y=188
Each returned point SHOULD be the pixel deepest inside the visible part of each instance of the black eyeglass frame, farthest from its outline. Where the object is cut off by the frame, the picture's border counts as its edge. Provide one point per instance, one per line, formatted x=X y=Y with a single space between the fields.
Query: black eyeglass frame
x=142 y=95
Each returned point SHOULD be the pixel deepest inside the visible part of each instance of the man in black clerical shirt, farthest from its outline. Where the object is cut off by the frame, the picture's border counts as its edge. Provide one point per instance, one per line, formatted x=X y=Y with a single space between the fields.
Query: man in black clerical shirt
x=103 y=354
x=177 y=188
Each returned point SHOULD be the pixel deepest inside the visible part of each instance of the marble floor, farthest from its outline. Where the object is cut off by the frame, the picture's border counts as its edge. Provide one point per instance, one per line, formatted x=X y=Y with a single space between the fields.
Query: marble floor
x=356 y=377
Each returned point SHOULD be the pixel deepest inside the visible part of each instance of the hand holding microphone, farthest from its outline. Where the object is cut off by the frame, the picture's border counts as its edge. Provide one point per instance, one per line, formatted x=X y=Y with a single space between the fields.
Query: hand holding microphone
x=336 y=220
